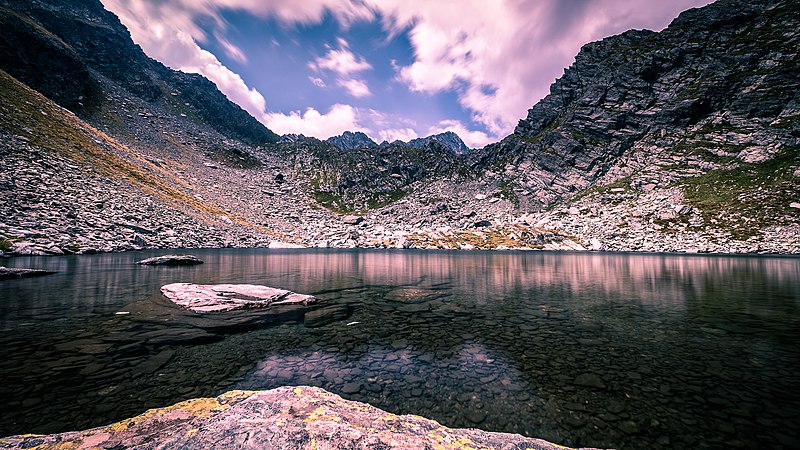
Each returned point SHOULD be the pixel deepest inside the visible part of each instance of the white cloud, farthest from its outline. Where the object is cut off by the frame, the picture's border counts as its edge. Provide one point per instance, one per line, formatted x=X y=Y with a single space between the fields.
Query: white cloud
x=318 y=82
x=356 y=88
x=341 y=61
x=394 y=134
x=313 y=123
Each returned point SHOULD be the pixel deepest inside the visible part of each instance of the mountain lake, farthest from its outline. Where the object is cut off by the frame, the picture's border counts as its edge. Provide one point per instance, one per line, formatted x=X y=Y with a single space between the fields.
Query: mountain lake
x=582 y=349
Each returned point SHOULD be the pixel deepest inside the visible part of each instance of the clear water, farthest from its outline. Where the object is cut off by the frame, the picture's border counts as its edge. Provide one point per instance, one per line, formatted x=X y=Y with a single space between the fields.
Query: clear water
x=608 y=350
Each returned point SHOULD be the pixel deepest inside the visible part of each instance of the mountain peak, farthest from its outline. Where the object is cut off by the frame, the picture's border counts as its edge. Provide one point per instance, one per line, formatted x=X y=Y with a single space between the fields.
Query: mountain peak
x=448 y=139
x=350 y=140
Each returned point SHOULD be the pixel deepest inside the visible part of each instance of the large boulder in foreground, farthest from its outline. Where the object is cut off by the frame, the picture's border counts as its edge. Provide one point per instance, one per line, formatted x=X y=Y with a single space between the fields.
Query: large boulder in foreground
x=283 y=418
x=171 y=260
x=229 y=297
x=7 y=273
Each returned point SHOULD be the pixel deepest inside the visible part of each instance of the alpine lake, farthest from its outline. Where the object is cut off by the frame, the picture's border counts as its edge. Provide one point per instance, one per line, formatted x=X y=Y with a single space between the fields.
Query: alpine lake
x=581 y=349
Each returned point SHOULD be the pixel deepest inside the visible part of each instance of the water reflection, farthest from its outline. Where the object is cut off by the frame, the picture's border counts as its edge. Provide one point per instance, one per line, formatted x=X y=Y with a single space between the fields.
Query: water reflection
x=621 y=350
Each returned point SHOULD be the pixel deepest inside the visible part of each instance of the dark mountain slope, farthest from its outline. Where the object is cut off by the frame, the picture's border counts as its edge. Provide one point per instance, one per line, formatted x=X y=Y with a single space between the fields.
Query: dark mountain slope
x=720 y=84
x=76 y=53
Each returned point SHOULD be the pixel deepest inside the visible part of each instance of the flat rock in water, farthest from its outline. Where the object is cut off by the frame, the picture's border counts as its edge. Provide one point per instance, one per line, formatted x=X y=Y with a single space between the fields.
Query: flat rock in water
x=286 y=417
x=171 y=260
x=229 y=297
x=7 y=273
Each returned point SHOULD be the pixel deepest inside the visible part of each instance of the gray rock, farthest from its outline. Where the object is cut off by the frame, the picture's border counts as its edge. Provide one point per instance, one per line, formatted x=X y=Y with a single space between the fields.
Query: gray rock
x=325 y=315
x=7 y=273
x=589 y=380
x=352 y=220
x=227 y=297
x=171 y=260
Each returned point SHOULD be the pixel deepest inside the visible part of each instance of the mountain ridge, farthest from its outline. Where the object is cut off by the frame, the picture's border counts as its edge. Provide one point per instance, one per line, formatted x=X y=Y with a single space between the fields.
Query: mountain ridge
x=681 y=140
x=99 y=51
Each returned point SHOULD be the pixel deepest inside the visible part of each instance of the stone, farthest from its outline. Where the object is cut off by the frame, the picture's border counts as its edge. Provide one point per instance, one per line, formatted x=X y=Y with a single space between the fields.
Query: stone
x=589 y=380
x=325 y=315
x=629 y=427
x=351 y=388
x=8 y=273
x=279 y=244
x=286 y=417
x=794 y=205
x=352 y=220
x=171 y=260
x=228 y=297
x=573 y=211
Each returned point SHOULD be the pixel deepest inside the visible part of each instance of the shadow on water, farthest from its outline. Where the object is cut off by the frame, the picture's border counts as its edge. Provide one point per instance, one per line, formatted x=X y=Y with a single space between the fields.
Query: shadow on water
x=627 y=351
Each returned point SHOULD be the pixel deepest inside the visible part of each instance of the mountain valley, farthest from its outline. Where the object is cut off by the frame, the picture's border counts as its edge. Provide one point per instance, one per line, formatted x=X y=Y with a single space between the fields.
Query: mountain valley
x=685 y=140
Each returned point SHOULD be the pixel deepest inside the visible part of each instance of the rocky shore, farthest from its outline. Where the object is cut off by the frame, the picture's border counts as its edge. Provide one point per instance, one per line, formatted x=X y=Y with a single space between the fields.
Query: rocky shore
x=288 y=417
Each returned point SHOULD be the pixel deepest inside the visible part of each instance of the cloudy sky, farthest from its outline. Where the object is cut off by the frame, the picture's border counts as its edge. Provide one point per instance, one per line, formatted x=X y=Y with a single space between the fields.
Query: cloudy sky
x=394 y=69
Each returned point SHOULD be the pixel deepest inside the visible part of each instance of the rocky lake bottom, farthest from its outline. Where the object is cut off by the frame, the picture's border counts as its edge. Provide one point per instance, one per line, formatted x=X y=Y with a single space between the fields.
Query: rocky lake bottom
x=605 y=350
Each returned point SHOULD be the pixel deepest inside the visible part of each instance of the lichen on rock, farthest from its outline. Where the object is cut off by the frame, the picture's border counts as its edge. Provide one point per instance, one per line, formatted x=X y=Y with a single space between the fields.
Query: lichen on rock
x=282 y=418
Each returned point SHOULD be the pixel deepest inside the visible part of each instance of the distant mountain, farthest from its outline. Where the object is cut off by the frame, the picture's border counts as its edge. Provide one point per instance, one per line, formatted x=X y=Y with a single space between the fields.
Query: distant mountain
x=80 y=55
x=449 y=139
x=350 y=140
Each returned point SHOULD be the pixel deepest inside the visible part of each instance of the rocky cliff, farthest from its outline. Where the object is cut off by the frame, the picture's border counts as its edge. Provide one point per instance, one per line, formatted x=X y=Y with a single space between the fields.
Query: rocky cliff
x=692 y=132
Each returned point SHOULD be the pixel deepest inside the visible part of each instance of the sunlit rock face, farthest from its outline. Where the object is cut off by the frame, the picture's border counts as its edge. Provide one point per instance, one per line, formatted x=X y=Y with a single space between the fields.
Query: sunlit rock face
x=287 y=417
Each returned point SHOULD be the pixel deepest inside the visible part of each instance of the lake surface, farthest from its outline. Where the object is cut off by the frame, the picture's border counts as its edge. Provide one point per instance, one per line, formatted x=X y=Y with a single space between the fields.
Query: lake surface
x=608 y=350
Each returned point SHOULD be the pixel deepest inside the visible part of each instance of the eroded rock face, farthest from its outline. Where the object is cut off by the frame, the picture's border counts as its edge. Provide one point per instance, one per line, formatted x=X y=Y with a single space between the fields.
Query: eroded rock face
x=283 y=418
x=229 y=297
x=171 y=260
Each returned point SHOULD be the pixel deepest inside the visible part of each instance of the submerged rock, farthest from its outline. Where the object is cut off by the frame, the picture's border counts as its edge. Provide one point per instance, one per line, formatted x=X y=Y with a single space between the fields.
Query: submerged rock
x=286 y=417
x=327 y=314
x=229 y=297
x=7 y=273
x=171 y=260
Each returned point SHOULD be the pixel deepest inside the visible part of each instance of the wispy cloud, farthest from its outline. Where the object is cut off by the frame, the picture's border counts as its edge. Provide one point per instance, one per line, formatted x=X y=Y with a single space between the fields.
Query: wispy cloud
x=316 y=81
x=231 y=50
x=340 y=61
x=355 y=87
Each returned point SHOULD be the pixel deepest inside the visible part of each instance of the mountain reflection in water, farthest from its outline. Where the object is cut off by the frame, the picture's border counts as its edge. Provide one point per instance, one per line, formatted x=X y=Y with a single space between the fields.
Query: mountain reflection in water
x=612 y=350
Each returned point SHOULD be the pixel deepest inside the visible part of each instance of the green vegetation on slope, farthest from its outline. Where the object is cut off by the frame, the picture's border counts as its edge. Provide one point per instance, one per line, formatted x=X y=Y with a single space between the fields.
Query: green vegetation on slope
x=750 y=197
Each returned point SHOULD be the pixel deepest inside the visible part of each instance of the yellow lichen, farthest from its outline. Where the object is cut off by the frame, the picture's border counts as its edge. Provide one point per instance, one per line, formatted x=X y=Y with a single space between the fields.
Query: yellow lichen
x=198 y=407
x=321 y=414
x=68 y=445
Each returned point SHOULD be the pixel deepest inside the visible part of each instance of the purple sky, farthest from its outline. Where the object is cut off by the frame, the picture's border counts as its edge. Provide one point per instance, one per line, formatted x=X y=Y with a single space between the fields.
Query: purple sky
x=394 y=69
